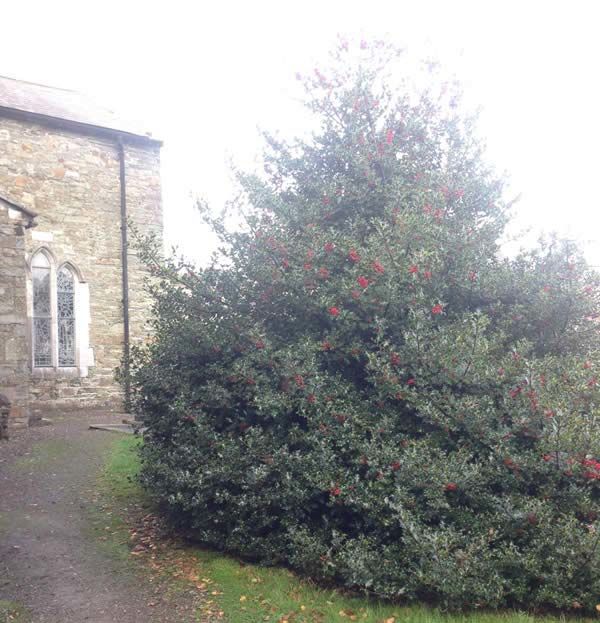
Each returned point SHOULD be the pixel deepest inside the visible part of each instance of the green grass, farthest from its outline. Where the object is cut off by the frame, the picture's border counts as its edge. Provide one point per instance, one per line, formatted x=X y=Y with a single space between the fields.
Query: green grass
x=249 y=593
x=119 y=476
x=252 y=593
x=12 y=612
x=115 y=491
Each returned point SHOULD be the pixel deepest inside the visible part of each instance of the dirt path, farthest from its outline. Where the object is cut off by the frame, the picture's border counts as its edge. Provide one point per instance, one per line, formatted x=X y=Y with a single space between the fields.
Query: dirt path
x=49 y=560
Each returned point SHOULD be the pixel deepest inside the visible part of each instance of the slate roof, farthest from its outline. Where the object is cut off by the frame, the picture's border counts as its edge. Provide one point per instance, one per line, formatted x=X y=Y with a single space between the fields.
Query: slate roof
x=62 y=105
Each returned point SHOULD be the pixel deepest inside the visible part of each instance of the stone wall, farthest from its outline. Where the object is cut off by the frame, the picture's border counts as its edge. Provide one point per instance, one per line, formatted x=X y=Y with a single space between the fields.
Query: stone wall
x=72 y=182
x=14 y=351
x=142 y=168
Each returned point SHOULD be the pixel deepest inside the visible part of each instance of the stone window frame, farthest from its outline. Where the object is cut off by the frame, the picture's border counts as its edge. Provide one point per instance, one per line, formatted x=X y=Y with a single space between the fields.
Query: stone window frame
x=81 y=296
x=44 y=263
x=66 y=316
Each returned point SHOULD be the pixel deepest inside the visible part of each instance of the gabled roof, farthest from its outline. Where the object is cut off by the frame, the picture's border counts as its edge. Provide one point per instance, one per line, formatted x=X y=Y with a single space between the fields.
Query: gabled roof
x=27 y=213
x=65 y=108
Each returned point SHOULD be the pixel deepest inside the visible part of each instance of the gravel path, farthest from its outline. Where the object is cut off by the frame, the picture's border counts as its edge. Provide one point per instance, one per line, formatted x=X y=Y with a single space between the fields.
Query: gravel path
x=49 y=560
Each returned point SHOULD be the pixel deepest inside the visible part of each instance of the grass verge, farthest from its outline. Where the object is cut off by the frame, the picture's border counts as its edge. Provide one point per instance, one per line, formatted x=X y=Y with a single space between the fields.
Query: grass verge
x=248 y=593
x=115 y=496
x=12 y=612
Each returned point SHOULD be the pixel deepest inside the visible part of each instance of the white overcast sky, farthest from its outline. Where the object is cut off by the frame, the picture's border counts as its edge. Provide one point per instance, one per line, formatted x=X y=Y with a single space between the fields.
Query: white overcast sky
x=204 y=75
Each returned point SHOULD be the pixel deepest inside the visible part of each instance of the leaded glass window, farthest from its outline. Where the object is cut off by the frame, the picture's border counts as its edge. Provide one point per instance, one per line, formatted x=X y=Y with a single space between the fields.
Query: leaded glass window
x=42 y=311
x=65 y=303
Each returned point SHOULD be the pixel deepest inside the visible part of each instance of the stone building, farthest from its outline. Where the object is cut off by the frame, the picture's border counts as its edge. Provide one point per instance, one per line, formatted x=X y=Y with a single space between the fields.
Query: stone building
x=72 y=300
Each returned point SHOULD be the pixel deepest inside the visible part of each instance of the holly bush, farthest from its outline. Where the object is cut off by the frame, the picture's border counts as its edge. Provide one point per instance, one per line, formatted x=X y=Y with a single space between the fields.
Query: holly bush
x=359 y=386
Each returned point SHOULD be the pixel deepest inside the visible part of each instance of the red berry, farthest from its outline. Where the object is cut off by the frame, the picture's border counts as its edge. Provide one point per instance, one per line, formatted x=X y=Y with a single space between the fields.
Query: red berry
x=378 y=268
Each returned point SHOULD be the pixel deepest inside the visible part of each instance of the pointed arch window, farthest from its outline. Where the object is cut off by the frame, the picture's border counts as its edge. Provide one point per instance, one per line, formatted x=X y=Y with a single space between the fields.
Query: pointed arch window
x=65 y=305
x=42 y=311
x=60 y=312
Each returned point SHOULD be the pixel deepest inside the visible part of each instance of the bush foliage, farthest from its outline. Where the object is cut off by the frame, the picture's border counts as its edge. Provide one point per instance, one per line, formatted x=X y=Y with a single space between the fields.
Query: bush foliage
x=360 y=387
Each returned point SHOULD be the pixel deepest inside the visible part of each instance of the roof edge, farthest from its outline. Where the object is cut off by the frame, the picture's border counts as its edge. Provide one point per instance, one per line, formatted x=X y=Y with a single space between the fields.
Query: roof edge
x=78 y=126
x=38 y=84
